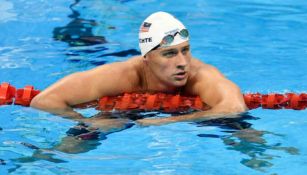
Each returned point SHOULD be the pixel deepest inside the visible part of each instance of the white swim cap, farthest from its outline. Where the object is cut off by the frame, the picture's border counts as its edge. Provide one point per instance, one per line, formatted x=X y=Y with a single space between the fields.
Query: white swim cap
x=155 y=27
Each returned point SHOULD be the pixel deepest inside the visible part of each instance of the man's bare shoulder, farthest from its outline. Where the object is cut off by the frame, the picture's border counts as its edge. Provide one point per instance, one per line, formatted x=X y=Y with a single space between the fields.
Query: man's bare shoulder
x=126 y=72
x=200 y=69
x=129 y=65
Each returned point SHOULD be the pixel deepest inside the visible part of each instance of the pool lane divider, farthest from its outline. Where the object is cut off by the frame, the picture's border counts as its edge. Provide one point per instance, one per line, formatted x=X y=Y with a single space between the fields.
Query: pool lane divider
x=23 y=97
x=159 y=101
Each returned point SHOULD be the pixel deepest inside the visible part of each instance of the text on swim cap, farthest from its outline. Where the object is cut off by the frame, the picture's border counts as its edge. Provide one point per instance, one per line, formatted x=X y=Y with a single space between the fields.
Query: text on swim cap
x=145 y=40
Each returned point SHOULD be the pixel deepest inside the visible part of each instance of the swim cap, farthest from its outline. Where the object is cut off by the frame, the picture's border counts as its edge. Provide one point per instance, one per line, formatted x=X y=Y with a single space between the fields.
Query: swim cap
x=155 y=27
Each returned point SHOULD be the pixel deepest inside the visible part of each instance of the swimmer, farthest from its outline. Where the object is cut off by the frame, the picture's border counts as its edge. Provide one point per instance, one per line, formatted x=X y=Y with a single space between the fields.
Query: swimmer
x=165 y=65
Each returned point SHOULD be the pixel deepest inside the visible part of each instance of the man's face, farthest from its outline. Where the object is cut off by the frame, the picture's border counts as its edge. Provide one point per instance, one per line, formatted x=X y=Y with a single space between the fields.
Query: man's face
x=170 y=65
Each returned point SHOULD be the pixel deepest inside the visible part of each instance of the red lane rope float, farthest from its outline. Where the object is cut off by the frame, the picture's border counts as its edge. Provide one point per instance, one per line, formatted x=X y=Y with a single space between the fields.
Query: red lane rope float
x=22 y=96
x=178 y=103
x=151 y=102
x=159 y=101
x=276 y=101
x=7 y=93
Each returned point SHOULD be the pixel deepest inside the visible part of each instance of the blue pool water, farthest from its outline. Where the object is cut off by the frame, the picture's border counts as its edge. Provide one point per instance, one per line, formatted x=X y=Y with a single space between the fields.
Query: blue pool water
x=258 y=44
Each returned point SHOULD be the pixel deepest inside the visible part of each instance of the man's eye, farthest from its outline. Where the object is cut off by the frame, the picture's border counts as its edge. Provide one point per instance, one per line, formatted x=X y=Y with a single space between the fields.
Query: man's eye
x=185 y=50
x=169 y=54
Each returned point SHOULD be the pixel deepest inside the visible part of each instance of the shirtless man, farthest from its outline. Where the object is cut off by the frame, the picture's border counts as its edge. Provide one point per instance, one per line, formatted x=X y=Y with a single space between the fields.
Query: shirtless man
x=166 y=65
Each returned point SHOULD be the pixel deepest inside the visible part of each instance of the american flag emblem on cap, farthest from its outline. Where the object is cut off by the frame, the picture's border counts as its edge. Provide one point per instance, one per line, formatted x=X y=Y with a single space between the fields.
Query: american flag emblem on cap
x=145 y=27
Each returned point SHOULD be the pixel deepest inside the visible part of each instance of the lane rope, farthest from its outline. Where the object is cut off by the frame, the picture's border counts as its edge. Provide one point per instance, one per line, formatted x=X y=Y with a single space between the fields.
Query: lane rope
x=159 y=101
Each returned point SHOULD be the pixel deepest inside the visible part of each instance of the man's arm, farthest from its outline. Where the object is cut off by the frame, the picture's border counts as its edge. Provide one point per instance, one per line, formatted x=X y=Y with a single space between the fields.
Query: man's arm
x=82 y=87
x=57 y=98
x=222 y=95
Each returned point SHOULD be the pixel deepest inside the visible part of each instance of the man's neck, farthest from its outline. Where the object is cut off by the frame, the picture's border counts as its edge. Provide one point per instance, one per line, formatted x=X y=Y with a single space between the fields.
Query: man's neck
x=152 y=84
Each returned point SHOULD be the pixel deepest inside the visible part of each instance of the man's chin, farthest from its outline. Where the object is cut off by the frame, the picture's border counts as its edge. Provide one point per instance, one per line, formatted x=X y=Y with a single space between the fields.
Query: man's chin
x=180 y=82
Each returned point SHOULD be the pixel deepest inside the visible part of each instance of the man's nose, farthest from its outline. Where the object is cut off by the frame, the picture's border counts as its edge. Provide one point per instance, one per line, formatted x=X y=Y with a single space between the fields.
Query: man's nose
x=181 y=61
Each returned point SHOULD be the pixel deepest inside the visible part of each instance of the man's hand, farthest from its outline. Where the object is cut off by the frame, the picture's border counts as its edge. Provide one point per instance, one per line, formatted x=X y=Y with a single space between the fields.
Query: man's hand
x=105 y=124
x=153 y=121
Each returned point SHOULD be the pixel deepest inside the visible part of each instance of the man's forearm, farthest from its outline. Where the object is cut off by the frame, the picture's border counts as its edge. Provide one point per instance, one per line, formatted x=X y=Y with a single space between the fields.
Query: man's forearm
x=57 y=108
x=67 y=113
x=202 y=115
x=196 y=116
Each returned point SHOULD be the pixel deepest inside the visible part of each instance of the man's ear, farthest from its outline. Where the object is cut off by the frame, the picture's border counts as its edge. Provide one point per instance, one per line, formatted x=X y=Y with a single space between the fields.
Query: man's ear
x=145 y=58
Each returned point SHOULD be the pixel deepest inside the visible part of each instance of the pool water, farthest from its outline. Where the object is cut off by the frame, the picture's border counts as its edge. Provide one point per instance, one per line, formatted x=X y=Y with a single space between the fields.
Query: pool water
x=260 y=45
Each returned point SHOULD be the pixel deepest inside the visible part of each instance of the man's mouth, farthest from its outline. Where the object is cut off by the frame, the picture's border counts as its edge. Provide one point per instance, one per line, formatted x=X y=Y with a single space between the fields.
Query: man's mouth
x=180 y=75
